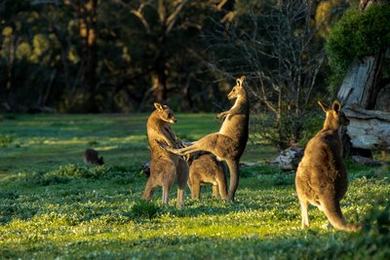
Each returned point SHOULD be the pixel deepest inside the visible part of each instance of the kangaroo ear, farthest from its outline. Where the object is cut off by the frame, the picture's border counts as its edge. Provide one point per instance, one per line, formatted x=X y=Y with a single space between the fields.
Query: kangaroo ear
x=240 y=81
x=158 y=106
x=322 y=105
x=336 y=106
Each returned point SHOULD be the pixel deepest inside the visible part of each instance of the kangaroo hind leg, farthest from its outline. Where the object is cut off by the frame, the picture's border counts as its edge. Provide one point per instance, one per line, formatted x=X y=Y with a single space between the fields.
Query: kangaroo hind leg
x=148 y=192
x=304 y=213
x=182 y=177
x=234 y=178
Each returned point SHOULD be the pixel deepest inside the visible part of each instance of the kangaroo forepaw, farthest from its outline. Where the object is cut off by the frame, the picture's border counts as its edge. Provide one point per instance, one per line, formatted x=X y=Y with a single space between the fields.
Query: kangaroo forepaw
x=221 y=115
x=162 y=144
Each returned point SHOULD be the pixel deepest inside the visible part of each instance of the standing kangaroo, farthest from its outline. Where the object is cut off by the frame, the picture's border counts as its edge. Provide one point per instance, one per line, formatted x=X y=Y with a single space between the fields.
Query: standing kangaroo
x=229 y=143
x=164 y=166
x=207 y=169
x=321 y=177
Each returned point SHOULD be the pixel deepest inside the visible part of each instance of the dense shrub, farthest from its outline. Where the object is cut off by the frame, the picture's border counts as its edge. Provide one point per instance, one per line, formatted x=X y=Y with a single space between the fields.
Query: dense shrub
x=356 y=35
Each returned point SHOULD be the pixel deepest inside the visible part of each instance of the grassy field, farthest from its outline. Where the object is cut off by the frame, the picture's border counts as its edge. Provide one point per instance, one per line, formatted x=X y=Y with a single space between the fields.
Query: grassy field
x=51 y=205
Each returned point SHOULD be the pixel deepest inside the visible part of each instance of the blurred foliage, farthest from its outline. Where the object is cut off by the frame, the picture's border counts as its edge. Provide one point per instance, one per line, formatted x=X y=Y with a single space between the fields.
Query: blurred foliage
x=5 y=140
x=356 y=35
x=327 y=13
x=120 y=56
x=94 y=56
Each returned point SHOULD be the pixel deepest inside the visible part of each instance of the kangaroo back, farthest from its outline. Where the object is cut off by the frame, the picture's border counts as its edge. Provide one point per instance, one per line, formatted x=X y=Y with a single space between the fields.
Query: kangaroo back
x=321 y=177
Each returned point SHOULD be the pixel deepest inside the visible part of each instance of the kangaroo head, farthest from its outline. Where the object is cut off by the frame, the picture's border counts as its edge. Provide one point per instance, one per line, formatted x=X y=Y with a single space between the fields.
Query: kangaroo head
x=334 y=116
x=238 y=90
x=165 y=113
x=100 y=161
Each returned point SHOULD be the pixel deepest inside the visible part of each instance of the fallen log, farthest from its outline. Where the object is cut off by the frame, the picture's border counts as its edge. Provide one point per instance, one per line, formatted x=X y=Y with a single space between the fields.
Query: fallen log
x=368 y=129
x=367 y=161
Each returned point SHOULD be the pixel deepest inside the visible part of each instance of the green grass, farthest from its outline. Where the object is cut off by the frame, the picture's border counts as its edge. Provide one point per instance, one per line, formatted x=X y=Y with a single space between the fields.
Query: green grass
x=51 y=205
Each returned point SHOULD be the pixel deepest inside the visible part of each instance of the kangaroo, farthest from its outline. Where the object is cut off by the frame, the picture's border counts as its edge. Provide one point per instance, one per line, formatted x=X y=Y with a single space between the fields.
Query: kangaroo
x=229 y=143
x=207 y=169
x=321 y=177
x=165 y=167
x=91 y=156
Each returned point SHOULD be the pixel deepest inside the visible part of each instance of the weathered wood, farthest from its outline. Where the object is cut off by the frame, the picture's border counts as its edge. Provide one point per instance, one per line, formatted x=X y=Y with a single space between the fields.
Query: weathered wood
x=368 y=129
x=359 y=83
x=366 y=161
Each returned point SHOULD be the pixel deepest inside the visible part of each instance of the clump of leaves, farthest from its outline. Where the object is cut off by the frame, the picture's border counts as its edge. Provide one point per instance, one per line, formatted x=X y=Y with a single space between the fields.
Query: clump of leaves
x=145 y=209
x=5 y=140
x=121 y=175
x=356 y=35
x=378 y=221
x=376 y=236
x=93 y=142
x=65 y=173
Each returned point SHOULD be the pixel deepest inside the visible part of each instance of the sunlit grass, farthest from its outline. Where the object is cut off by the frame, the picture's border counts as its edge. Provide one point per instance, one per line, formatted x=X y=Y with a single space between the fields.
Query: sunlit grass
x=51 y=205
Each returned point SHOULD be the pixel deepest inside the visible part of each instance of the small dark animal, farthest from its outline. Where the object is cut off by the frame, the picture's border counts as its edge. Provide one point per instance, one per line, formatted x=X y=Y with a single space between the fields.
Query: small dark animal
x=91 y=156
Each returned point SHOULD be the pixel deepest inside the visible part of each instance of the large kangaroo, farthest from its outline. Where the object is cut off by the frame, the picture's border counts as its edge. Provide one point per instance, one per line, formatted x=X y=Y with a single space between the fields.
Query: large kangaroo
x=207 y=169
x=165 y=167
x=321 y=177
x=229 y=143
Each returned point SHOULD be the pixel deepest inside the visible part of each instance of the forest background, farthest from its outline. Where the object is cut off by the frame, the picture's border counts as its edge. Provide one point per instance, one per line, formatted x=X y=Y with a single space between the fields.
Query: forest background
x=90 y=56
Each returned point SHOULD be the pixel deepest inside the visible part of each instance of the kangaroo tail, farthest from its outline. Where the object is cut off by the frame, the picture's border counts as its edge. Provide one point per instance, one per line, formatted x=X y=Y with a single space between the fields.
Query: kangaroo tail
x=333 y=212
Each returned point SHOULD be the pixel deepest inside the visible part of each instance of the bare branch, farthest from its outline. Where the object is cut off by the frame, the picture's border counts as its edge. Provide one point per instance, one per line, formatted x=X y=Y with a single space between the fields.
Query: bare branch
x=173 y=17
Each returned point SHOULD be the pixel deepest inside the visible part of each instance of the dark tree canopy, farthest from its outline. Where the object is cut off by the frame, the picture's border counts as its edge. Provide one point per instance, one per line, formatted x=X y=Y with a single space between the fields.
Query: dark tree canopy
x=121 y=56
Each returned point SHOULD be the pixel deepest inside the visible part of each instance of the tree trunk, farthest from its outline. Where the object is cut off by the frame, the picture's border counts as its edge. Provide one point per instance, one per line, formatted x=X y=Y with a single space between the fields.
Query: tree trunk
x=159 y=84
x=360 y=84
x=358 y=93
x=88 y=31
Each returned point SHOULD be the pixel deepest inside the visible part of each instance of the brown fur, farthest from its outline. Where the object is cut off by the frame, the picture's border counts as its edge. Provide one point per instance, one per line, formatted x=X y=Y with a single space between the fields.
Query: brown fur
x=91 y=156
x=164 y=167
x=321 y=178
x=207 y=169
x=229 y=143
